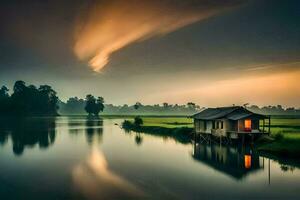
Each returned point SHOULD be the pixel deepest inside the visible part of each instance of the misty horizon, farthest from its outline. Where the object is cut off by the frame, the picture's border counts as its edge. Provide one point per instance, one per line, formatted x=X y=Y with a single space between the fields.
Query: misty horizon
x=218 y=54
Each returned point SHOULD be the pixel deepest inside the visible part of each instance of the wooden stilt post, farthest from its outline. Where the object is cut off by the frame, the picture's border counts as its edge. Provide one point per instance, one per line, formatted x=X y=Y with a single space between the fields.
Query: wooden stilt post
x=243 y=139
x=269 y=125
x=269 y=172
x=194 y=145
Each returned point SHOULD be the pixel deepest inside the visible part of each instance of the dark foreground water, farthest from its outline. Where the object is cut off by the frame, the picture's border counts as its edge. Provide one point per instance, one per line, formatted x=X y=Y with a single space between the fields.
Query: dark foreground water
x=77 y=158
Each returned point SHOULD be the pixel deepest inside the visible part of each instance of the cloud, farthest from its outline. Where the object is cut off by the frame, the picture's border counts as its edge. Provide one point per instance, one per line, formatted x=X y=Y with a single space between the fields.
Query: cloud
x=273 y=66
x=108 y=26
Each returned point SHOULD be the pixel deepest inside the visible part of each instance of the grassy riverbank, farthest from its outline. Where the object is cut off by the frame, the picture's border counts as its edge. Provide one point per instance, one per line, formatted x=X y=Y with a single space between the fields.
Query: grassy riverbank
x=287 y=147
x=281 y=144
x=284 y=140
x=285 y=137
x=168 y=122
x=178 y=128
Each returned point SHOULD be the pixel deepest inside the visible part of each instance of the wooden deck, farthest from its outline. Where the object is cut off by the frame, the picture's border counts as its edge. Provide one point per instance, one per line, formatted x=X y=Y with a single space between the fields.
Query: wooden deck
x=248 y=132
x=229 y=136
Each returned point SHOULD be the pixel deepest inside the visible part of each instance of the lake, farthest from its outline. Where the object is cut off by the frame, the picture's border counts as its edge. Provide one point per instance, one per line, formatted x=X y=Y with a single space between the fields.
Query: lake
x=80 y=158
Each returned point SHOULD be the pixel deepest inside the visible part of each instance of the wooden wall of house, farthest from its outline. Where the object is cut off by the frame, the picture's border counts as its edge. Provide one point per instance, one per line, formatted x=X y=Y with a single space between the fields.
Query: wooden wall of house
x=197 y=125
x=241 y=125
x=202 y=126
x=229 y=128
x=209 y=126
x=231 y=125
x=219 y=130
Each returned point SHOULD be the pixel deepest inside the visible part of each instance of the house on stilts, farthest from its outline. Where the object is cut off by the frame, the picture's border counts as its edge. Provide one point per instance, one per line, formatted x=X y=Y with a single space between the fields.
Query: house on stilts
x=234 y=122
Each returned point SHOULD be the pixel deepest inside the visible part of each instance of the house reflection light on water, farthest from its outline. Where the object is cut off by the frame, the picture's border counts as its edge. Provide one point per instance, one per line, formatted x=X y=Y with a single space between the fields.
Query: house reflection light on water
x=247 y=159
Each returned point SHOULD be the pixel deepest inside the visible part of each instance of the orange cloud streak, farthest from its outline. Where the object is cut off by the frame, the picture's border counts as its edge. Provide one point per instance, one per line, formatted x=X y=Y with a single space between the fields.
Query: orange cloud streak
x=109 y=27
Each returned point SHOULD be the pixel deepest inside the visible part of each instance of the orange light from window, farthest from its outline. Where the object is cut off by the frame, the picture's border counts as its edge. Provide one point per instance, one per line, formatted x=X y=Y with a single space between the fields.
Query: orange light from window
x=248 y=125
x=247 y=161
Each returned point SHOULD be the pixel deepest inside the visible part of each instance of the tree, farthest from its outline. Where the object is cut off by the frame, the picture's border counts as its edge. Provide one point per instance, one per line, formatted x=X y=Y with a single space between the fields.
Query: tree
x=137 y=105
x=191 y=105
x=4 y=100
x=138 y=121
x=4 y=92
x=48 y=97
x=19 y=87
x=165 y=105
x=90 y=104
x=99 y=106
x=29 y=101
x=19 y=102
x=93 y=105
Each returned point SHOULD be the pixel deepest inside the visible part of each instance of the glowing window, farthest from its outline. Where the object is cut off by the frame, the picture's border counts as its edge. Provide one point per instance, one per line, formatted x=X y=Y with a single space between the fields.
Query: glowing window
x=247 y=159
x=248 y=124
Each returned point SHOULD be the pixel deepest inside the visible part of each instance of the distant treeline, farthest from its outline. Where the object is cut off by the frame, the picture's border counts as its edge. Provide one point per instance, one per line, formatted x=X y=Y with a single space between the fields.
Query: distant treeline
x=28 y=100
x=274 y=110
x=76 y=106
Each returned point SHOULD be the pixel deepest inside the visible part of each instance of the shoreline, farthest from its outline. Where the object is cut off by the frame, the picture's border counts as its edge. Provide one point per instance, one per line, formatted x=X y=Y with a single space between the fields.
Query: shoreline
x=278 y=148
x=181 y=134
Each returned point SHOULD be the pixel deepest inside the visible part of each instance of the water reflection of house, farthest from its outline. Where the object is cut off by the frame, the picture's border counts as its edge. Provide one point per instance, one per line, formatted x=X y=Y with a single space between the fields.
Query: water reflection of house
x=230 y=160
x=232 y=122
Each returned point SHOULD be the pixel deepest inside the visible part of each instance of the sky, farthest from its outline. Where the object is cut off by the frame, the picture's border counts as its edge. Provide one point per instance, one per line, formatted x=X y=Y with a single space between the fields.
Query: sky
x=211 y=52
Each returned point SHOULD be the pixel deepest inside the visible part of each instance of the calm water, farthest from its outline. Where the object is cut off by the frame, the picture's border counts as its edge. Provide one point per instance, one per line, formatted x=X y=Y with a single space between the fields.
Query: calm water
x=76 y=158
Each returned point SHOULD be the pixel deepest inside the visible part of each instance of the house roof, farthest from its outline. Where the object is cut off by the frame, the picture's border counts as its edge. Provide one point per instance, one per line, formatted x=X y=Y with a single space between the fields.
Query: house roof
x=233 y=113
x=237 y=116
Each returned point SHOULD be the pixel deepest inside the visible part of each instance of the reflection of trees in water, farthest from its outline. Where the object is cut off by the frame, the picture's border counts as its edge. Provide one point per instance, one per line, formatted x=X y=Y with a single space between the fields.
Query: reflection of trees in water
x=286 y=168
x=27 y=133
x=74 y=126
x=138 y=136
x=3 y=138
x=91 y=126
x=94 y=126
x=138 y=139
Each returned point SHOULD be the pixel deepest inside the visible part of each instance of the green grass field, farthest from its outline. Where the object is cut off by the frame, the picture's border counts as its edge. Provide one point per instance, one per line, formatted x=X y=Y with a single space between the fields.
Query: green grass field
x=159 y=121
x=290 y=128
x=168 y=122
